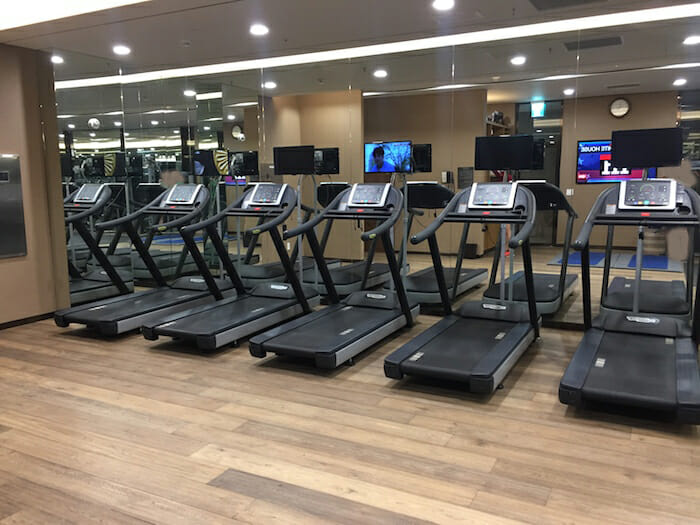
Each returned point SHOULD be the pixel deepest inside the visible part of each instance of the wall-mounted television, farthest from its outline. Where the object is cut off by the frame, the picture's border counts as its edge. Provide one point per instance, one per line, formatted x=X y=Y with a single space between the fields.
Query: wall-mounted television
x=388 y=157
x=422 y=158
x=640 y=148
x=327 y=161
x=244 y=164
x=594 y=164
x=514 y=152
x=294 y=160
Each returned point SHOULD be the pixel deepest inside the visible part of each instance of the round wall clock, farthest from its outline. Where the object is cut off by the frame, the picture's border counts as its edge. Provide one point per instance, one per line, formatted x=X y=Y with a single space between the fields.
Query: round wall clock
x=619 y=107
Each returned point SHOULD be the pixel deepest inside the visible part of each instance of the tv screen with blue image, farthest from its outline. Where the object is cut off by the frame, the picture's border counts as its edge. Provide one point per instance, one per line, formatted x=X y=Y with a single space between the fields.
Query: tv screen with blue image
x=594 y=164
x=388 y=157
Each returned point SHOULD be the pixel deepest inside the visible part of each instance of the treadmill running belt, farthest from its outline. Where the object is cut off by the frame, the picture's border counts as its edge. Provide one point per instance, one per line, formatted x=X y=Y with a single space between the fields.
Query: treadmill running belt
x=351 y=273
x=546 y=285
x=332 y=332
x=639 y=370
x=454 y=353
x=657 y=297
x=425 y=281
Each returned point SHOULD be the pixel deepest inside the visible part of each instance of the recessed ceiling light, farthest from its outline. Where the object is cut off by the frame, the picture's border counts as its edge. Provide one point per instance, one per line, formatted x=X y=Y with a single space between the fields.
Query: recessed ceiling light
x=259 y=30
x=190 y=93
x=231 y=117
x=117 y=124
x=380 y=73
x=680 y=82
x=206 y=128
x=176 y=131
x=269 y=84
x=539 y=131
x=71 y=126
x=569 y=91
x=692 y=40
x=61 y=135
x=57 y=59
x=209 y=96
x=154 y=122
x=496 y=77
x=92 y=134
x=518 y=60
x=443 y=5
x=121 y=50
x=126 y=134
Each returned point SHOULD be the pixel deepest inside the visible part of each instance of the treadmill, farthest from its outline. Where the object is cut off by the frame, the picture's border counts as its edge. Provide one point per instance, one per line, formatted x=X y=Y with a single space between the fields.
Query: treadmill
x=337 y=333
x=104 y=281
x=225 y=321
x=551 y=290
x=637 y=359
x=422 y=286
x=180 y=205
x=482 y=341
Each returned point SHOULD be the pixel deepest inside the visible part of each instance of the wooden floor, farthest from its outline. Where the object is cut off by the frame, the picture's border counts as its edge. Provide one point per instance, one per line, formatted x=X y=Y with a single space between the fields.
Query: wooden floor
x=122 y=431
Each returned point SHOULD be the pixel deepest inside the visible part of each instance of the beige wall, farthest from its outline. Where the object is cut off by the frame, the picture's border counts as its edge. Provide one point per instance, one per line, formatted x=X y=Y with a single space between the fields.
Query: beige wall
x=37 y=283
x=590 y=119
x=448 y=121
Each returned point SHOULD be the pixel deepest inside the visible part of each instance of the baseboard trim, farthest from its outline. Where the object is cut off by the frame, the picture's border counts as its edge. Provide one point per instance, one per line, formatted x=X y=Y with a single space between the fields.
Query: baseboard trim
x=26 y=320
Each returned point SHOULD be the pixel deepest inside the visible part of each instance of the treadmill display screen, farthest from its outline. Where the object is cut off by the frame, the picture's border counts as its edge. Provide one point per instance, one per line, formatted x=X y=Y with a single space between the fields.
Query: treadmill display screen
x=492 y=195
x=88 y=193
x=183 y=194
x=648 y=194
x=372 y=195
x=268 y=194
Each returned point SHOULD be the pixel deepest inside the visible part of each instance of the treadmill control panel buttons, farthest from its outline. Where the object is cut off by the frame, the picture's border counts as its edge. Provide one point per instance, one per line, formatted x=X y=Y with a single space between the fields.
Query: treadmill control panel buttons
x=183 y=194
x=369 y=195
x=647 y=195
x=267 y=194
x=492 y=195
x=416 y=356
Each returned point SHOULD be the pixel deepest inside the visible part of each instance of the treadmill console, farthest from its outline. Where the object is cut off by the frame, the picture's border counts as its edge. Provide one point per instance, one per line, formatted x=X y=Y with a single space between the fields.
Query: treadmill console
x=499 y=196
x=647 y=195
x=368 y=195
x=88 y=193
x=267 y=194
x=183 y=194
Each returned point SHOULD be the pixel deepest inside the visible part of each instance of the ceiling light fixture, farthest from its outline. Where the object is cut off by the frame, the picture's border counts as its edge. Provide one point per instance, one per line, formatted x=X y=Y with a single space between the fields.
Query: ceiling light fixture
x=209 y=96
x=539 y=131
x=231 y=117
x=190 y=93
x=380 y=73
x=65 y=116
x=207 y=128
x=57 y=59
x=620 y=19
x=259 y=30
x=243 y=104
x=269 y=84
x=121 y=50
x=71 y=126
x=680 y=82
x=518 y=60
x=154 y=122
x=569 y=91
x=176 y=131
x=117 y=124
x=692 y=40
x=93 y=134
x=443 y=5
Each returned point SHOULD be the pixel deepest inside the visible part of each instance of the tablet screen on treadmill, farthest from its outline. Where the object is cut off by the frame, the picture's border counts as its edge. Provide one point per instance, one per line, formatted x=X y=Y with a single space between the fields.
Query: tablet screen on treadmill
x=267 y=194
x=88 y=193
x=492 y=194
x=648 y=193
x=183 y=194
x=369 y=195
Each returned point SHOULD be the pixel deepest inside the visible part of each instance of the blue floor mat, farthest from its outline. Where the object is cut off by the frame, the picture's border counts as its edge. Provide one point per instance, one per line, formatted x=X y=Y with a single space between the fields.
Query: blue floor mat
x=625 y=260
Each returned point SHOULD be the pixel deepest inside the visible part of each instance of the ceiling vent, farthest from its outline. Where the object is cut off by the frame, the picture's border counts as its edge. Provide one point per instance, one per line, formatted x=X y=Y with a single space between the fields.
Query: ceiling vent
x=545 y=5
x=624 y=86
x=593 y=43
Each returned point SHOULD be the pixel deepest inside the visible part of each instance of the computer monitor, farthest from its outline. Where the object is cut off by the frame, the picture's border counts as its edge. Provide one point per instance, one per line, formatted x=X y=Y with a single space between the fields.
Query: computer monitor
x=388 y=157
x=514 y=152
x=294 y=160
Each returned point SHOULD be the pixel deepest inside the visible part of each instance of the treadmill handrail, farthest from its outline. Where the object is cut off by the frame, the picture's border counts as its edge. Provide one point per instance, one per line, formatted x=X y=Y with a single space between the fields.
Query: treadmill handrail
x=524 y=232
x=267 y=226
x=388 y=223
x=187 y=218
x=433 y=226
x=132 y=216
x=584 y=235
x=105 y=195
x=305 y=227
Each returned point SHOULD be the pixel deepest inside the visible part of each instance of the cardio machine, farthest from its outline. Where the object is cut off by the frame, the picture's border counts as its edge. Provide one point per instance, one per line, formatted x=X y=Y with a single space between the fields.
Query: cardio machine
x=551 y=290
x=104 y=281
x=122 y=314
x=227 y=320
x=482 y=341
x=337 y=333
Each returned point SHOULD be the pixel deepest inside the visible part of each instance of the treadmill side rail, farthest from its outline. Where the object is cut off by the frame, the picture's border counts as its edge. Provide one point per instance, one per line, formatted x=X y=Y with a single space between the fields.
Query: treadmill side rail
x=688 y=381
x=577 y=371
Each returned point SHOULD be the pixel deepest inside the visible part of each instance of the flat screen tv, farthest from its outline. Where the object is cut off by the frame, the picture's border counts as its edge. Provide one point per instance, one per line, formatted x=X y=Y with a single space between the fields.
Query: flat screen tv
x=244 y=164
x=647 y=148
x=327 y=161
x=388 y=157
x=204 y=163
x=515 y=152
x=294 y=160
x=594 y=164
x=422 y=158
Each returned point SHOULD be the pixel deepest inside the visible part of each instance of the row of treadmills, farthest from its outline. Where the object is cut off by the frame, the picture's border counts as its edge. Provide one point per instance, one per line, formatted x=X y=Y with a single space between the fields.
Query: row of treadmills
x=640 y=352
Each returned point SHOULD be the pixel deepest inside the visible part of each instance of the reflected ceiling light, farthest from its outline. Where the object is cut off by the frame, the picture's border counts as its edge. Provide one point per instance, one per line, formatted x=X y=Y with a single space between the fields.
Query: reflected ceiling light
x=243 y=104
x=620 y=19
x=231 y=117
x=680 y=82
x=71 y=126
x=450 y=86
x=121 y=50
x=117 y=124
x=259 y=30
x=380 y=73
x=569 y=91
x=160 y=112
x=212 y=119
x=208 y=96
x=57 y=59
x=126 y=134
x=686 y=65
x=61 y=135
x=93 y=134
x=518 y=60
x=539 y=131
x=190 y=93
x=692 y=40
x=176 y=131
x=374 y=93
x=154 y=122
x=112 y=113
x=443 y=5
x=65 y=116
x=207 y=128
x=269 y=84
x=561 y=77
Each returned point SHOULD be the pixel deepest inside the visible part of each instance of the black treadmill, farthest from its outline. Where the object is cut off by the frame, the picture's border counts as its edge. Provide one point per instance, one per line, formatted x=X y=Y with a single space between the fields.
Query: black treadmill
x=482 y=341
x=104 y=281
x=337 y=333
x=227 y=320
x=637 y=359
x=422 y=286
x=128 y=312
x=551 y=290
